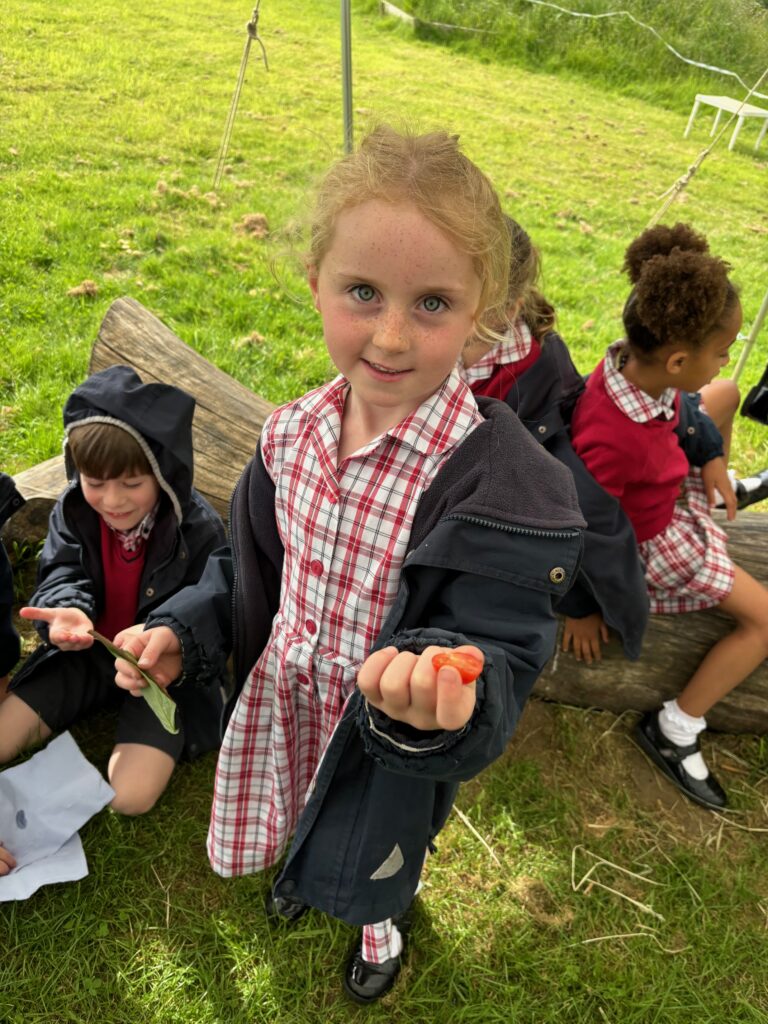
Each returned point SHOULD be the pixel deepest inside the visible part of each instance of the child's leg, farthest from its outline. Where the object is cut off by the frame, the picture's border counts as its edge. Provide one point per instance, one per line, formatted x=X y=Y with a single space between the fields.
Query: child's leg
x=144 y=757
x=138 y=774
x=732 y=659
x=671 y=735
x=21 y=727
x=721 y=401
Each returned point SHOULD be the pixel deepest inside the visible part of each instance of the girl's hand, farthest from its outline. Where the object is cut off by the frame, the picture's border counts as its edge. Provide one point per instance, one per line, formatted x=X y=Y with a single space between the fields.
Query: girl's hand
x=158 y=651
x=67 y=627
x=585 y=634
x=714 y=474
x=408 y=688
x=7 y=862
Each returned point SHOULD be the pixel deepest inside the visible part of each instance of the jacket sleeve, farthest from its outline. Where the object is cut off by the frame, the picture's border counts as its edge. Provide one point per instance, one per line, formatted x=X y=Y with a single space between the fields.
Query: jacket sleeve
x=201 y=617
x=509 y=616
x=62 y=580
x=696 y=431
x=231 y=608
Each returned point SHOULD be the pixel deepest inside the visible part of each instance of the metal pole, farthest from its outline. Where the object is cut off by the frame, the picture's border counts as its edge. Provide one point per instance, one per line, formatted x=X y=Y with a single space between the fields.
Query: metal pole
x=346 y=72
x=751 y=338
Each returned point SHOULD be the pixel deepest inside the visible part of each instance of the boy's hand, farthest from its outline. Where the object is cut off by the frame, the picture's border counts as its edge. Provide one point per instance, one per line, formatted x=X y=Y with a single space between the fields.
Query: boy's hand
x=407 y=688
x=586 y=634
x=67 y=627
x=714 y=474
x=158 y=651
x=7 y=862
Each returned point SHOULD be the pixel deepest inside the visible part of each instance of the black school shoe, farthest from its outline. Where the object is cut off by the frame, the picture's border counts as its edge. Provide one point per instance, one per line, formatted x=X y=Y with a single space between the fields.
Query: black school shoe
x=283 y=909
x=364 y=982
x=751 y=489
x=668 y=755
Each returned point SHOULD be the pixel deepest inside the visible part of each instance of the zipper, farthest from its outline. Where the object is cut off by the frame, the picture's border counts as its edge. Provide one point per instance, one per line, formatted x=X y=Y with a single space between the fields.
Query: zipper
x=234 y=582
x=526 y=531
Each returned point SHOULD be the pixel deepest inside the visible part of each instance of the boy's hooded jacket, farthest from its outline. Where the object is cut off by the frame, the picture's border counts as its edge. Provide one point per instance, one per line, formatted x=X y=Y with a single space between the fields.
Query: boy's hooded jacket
x=187 y=529
x=496 y=536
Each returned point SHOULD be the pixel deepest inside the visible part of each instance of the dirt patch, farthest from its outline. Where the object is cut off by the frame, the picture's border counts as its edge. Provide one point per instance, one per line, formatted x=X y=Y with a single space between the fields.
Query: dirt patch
x=590 y=755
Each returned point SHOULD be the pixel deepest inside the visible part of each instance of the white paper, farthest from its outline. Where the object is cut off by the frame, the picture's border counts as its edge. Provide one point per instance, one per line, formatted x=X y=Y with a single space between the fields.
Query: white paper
x=43 y=803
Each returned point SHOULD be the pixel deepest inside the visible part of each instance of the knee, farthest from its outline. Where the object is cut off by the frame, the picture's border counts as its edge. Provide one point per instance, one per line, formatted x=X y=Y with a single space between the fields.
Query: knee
x=133 y=803
x=728 y=396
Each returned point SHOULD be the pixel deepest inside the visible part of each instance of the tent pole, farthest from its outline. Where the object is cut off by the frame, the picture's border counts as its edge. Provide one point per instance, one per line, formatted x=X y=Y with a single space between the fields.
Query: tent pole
x=346 y=70
x=751 y=338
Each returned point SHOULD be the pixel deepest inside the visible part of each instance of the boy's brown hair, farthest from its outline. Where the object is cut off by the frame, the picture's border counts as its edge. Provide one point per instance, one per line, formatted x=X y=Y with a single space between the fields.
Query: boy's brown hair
x=104 y=451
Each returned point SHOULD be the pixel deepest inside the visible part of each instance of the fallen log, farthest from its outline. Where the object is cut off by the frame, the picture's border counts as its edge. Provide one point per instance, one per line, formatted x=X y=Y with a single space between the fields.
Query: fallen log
x=227 y=424
x=673 y=647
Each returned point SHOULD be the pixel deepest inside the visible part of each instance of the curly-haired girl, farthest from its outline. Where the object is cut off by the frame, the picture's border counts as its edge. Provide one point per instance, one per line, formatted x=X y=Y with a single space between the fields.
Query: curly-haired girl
x=681 y=318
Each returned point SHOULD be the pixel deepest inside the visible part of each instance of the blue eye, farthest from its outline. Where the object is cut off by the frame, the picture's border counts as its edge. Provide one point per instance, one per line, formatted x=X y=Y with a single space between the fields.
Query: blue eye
x=433 y=303
x=363 y=292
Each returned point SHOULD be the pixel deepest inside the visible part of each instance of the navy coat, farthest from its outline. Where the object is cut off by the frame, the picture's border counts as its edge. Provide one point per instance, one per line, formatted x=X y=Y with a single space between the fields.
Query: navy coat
x=496 y=537
x=10 y=502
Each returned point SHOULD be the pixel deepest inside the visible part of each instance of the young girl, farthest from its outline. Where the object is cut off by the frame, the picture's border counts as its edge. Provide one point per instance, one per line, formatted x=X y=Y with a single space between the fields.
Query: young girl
x=681 y=319
x=385 y=517
x=532 y=371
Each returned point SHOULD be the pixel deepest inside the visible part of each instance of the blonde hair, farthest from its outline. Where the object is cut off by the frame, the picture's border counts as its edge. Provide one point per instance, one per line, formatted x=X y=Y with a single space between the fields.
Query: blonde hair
x=432 y=173
x=522 y=283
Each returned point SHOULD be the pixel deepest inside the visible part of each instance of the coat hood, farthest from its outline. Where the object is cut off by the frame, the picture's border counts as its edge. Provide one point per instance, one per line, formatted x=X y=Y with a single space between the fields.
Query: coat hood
x=157 y=416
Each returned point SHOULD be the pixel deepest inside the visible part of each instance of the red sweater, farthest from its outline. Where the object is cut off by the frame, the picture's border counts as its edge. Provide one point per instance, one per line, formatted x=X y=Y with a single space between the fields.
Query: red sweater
x=122 y=576
x=641 y=464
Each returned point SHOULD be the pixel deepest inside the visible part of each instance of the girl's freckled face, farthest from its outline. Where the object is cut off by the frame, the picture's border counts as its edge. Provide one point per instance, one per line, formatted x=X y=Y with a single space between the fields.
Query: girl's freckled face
x=398 y=301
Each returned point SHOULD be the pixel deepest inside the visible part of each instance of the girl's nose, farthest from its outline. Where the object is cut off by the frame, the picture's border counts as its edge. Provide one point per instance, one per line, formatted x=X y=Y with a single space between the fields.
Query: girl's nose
x=391 y=334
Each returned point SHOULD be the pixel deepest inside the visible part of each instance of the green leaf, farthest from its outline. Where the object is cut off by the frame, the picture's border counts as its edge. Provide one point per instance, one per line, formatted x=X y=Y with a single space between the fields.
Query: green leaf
x=155 y=695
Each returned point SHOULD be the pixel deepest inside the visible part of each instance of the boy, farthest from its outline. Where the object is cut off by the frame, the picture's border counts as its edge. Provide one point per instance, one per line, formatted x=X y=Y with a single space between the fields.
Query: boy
x=128 y=532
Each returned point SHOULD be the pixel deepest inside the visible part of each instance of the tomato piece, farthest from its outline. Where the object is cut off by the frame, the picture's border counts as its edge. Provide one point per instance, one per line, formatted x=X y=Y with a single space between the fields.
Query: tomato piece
x=468 y=665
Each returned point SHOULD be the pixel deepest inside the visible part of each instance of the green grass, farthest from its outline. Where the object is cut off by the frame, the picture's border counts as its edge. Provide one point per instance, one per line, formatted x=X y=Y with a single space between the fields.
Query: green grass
x=619 y=50
x=100 y=103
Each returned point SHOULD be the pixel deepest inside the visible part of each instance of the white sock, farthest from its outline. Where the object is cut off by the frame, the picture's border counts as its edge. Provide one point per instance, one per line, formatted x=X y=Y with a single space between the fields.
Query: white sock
x=751 y=483
x=682 y=729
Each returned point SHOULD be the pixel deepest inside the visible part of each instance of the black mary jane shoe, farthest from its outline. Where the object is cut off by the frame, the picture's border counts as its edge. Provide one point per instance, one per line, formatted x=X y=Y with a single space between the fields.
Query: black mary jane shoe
x=756 y=491
x=283 y=909
x=364 y=982
x=668 y=756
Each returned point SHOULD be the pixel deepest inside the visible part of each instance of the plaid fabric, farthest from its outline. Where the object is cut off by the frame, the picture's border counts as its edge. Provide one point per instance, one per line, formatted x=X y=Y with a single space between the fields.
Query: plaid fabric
x=517 y=346
x=687 y=567
x=133 y=539
x=345 y=531
x=633 y=402
x=381 y=942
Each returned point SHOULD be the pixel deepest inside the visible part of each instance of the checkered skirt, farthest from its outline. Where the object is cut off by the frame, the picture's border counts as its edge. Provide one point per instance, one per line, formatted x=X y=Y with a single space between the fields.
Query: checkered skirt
x=687 y=567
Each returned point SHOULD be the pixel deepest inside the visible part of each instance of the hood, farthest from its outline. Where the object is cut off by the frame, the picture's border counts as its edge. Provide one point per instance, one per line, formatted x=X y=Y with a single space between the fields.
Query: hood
x=157 y=416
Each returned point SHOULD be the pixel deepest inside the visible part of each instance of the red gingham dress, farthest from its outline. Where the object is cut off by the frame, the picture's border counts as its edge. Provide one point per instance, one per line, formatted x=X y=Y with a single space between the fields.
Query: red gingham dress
x=687 y=566
x=345 y=531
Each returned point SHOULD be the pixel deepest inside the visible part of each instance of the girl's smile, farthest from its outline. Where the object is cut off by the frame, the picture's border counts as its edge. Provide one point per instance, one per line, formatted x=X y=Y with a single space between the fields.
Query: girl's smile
x=398 y=300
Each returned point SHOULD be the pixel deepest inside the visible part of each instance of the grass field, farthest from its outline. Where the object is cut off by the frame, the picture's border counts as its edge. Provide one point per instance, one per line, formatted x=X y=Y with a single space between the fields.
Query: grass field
x=111 y=120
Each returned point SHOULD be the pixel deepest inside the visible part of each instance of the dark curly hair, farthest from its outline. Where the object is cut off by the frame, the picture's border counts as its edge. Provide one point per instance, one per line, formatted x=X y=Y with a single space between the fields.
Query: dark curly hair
x=681 y=293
